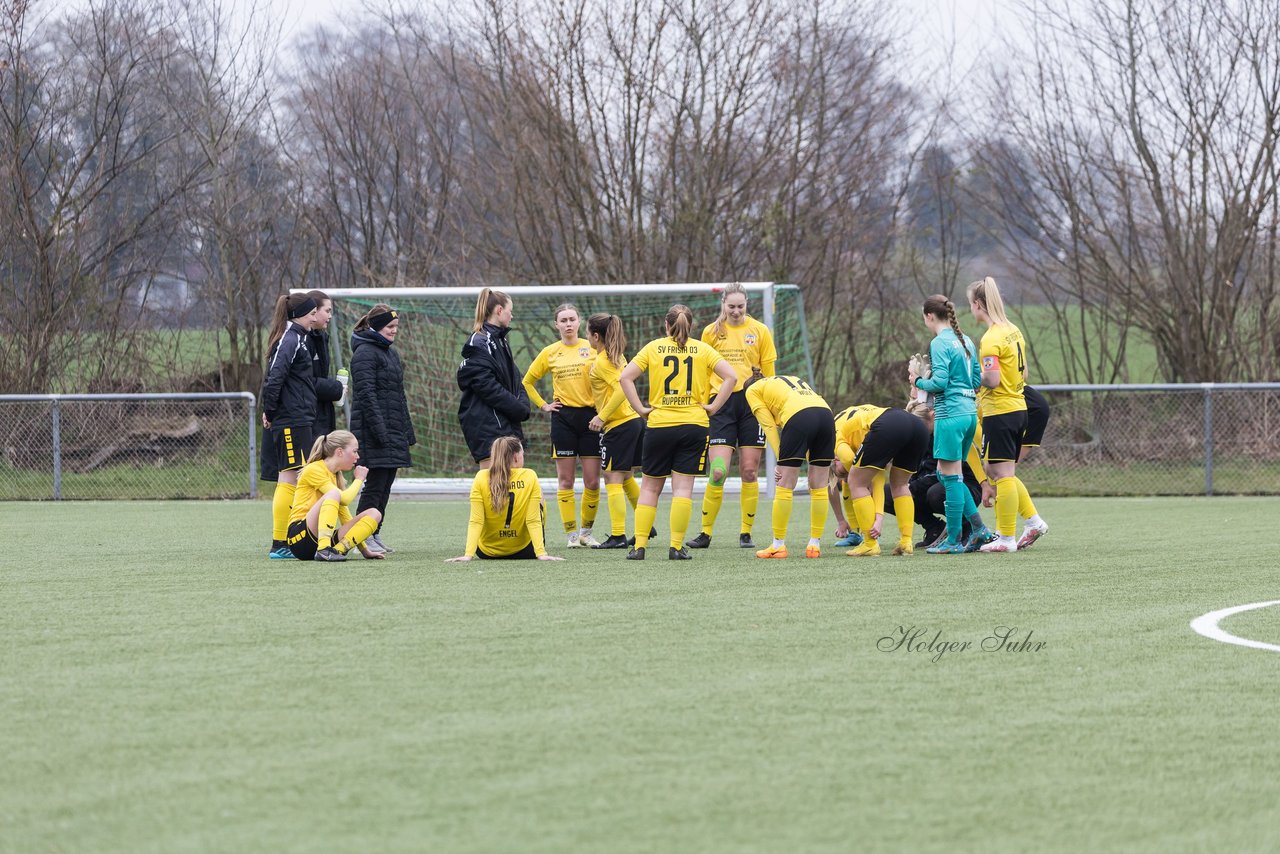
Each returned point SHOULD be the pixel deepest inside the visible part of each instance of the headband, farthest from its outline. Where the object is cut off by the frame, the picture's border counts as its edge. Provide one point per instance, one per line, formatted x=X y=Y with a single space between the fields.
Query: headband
x=377 y=321
x=304 y=308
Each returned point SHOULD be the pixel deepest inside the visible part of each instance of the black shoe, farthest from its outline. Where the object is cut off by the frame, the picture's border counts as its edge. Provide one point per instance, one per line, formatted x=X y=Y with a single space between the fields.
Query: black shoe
x=635 y=554
x=702 y=541
x=330 y=555
x=615 y=541
x=653 y=532
x=931 y=537
x=744 y=541
x=674 y=553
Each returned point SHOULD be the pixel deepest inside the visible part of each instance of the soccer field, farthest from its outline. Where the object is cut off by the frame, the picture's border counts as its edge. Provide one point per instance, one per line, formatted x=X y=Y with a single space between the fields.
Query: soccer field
x=166 y=688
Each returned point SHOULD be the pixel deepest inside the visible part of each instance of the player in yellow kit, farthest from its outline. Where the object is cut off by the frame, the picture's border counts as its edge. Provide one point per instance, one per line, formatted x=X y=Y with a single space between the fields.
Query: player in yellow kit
x=1003 y=409
x=747 y=344
x=506 y=509
x=847 y=533
x=891 y=442
x=571 y=409
x=621 y=429
x=675 y=442
x=320 y=523
x=798 y=425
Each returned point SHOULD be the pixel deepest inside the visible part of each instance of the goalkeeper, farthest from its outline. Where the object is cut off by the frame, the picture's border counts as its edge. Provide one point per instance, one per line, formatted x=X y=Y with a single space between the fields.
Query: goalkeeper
x=954 y=377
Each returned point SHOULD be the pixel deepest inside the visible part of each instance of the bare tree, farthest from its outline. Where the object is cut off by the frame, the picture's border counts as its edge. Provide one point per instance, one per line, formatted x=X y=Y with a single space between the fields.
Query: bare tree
x=1134 y=163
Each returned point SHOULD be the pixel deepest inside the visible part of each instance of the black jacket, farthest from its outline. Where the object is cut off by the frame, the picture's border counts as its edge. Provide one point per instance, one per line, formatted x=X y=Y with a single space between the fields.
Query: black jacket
x=379 y=410
x=289 y=389
x=328 y=389
x=494 y=402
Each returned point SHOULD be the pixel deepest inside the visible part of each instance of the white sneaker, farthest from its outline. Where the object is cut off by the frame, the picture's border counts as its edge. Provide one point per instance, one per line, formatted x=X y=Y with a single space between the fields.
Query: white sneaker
x=587 y=540
x=574 y=542
x=1031 y=533
x=1001 y=544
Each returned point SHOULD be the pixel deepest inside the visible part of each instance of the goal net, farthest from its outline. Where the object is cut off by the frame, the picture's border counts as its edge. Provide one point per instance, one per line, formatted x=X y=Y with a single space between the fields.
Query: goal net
x=436 y=321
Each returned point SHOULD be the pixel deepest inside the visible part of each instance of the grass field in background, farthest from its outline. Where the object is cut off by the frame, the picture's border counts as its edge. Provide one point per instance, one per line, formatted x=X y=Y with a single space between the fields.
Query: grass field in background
x=164 y=687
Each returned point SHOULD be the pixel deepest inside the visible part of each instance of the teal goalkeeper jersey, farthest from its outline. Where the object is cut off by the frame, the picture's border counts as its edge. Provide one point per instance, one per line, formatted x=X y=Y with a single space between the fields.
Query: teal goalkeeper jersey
x=955 y=376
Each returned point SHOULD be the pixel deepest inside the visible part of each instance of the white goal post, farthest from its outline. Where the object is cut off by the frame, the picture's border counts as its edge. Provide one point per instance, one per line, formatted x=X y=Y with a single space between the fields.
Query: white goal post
x=437 y=319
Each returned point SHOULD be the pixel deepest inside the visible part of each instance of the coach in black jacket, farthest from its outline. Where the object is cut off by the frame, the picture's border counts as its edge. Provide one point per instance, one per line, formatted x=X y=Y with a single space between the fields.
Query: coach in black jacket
x=379 y=409
x=494 y=402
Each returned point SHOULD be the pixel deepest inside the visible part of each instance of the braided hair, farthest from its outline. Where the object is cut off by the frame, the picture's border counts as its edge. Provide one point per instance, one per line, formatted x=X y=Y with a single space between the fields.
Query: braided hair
x=944 y=309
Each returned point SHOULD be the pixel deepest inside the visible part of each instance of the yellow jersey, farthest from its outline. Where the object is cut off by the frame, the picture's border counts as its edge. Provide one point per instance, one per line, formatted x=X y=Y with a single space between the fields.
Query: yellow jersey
x=679 y=380
x=568 y=366
x=512 y=527
x=1003 y=348
x=606 y=392
x=745 y=347
x=315 y=480
x=852 y=428
x=775 y=400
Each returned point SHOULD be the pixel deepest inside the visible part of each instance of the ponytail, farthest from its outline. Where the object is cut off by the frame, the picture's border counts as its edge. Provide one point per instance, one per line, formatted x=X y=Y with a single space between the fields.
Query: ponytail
x=944 y=309
x=328 y=444
x=722 y=319
x=679 y=323
x=609 y=328
x=363 y=323
x=285 y=306
x=987 y=294
x=487 y=302
x=501 y=456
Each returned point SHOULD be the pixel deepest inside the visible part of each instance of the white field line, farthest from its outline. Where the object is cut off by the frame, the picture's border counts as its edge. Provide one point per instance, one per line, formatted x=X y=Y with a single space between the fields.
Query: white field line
x=1207 y=625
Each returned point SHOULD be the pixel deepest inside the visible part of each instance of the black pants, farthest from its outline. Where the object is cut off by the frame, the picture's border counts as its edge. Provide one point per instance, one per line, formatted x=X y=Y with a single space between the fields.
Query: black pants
x=377 y=491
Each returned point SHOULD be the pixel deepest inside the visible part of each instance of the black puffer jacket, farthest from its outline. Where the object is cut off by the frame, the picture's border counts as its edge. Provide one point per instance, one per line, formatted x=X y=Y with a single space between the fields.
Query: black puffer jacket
x=494 y=402
x=379 y=410
x=328 y=390
x=289 y=388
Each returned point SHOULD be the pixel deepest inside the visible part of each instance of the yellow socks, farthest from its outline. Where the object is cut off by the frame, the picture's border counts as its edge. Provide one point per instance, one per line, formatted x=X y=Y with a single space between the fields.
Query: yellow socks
x=782 y=499
x=590 y=504
x=864 y=511
x=360 y=531
x=644 y=523
x=281 y=505
x=1026 y=507
x=711 y=502
x=750 y=504
x=817 y=513
x=905 y=509
x=1007 y=506
x=568 y=509
x=326 y=523
x=633 y=491
x=681 y=510
x=617 y=509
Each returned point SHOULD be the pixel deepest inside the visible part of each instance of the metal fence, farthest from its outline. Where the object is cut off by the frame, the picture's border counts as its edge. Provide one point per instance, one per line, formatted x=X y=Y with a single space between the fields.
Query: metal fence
x=1194 y=439
x=112 y=446
x=1177 y=439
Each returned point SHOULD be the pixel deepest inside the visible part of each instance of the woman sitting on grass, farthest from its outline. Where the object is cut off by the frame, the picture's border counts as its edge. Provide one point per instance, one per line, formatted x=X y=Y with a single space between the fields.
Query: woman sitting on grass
x=320 y=525
x=506 y=508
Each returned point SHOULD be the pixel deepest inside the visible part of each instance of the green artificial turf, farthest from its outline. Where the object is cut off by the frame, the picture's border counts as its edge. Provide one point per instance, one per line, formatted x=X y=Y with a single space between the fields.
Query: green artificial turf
x=165 y=688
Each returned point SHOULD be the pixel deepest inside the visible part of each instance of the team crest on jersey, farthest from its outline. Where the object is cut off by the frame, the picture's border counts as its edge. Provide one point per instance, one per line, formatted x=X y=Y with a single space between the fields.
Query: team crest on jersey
x=989 y=363
x=750 y=339
x=584 y=352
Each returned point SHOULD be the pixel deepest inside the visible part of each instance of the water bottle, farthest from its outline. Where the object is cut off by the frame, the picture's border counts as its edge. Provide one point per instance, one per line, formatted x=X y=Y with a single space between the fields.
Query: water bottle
x=343 y=377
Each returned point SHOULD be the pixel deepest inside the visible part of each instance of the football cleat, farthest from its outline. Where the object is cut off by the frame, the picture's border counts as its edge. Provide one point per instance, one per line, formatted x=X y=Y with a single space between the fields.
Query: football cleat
x=635 y=554
x=853 y=538
x=869 y=548
x=1002 y=545
x=329 y=555
x=587 y=540
x=614 y=541
x=574 y=541
x=947 y=548
x=903 y=549
x=281 y=553
x=674 y=553
x=375 y=544
x=744 y=542
x=980 y=538
x=779 y=552
x=702 y=541
x=813 y=551
x=1030 y=534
